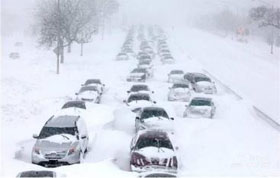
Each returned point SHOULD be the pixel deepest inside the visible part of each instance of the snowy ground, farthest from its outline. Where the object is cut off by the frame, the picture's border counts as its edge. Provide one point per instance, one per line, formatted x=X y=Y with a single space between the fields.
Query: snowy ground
x=235 y=142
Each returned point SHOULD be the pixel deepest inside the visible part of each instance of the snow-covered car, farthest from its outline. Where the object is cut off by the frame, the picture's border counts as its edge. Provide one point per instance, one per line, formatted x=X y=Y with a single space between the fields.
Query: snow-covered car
x=201 y=83
x=138 y=75
x=152 y=150
x=62 y=141
x=42 y=173
x=167 y=59
x=142 y=55
x=140 y=88
x=128 y=51
x=14 y=55
x=137 y=101
x=175 y=76
x=153 y=118
x=75 y=107
x=89 y=93
x=200 y=107
x=179 y=92
x=157 y=174
x=95 y=82
x=122 y=56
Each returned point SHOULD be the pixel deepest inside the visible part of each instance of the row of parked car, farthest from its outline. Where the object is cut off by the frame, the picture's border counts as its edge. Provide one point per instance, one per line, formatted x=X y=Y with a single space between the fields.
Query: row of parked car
x=186 y=84
x=151 y=148
x=63 y=140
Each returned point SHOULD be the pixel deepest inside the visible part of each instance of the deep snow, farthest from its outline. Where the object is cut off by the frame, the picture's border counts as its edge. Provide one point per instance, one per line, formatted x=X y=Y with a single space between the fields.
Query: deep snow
x=235 y=142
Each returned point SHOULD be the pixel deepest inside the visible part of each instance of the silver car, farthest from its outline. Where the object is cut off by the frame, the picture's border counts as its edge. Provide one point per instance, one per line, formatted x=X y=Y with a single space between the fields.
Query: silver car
x=201 y=83
x=200 y=107
x=179 y=92
x=62 y=141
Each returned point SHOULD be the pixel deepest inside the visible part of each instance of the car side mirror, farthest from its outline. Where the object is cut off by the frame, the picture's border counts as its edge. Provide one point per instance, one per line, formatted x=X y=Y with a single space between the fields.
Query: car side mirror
x=153 y=92
x=172 y=118
x=103 y=85
x=82 y=85
x=36 y=136
x=137 y=118
x=177 y=148
x=83 y=137
x=76 y=93
x=132 y=148
x=154 y=102
x=124 y=101
x=128 y=91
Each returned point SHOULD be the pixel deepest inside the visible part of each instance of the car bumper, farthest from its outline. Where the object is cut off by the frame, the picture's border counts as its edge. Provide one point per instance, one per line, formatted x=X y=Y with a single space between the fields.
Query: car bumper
x=153 y=168
x=54 y=162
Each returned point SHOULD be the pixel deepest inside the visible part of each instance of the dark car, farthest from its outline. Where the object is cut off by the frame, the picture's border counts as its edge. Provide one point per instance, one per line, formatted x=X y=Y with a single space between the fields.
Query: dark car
x=37 y=174
x=152 y=151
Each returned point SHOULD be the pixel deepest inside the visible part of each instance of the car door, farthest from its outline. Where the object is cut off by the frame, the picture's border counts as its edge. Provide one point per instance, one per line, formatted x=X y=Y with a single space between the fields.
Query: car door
x=83 y=137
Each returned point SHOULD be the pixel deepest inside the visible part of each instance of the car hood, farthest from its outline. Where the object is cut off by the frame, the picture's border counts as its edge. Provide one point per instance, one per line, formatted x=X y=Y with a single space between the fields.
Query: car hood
x=205 y=84
x=155 y=152
x=56 y=143
x=88 y=94
x=180 y=90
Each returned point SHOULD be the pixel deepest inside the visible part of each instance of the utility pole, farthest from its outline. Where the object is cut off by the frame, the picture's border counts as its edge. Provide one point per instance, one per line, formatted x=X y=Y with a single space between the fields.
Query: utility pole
x=58 y=37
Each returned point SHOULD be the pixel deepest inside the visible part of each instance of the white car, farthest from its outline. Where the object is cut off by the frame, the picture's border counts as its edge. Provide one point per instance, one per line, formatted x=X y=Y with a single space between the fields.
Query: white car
x=152 y=150
x=62 y=141
x=179 y=92
x=122 y=56
x=138 y=75
x=175 y=76
x=136 y=101
x=153 y=118
x=200 y=107
x=201 y=83
x=140 y=88
x=95 y=82
x=89 y=93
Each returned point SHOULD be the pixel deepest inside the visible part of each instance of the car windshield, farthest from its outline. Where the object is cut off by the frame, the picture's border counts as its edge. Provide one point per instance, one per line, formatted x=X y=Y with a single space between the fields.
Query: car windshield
x=139 y=70
x=91 y=88
x=138 y=97
x=153 y=113
x=180 y=86
x=201 y=79
x=37 y=174
x=93 y=81
x=200 y=102
x=50 y=131
x=154 y=142
x=75 y=104
x=137 y=88
x=176 y=72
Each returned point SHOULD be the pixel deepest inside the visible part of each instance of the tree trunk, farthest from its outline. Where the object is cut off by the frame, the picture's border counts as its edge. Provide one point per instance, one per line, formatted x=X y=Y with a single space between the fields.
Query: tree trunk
x=82 y=49
x=69 y=48
x=57 y=63
x=62 y=55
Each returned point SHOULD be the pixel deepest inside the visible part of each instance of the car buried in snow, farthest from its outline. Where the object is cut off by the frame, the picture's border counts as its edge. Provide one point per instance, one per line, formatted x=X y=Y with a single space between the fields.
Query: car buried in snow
x=89 y=93
x=153 y=118
x=179 y=92
x=140 y=88
x=122 y=57
x=63 y=140
x=95 y=82
x=167 y=59
x=136 y=101
x=175 y=76
x=42 y=173
x=152 y=150
x=201 y=83
x=200 y=107
x=138 y=75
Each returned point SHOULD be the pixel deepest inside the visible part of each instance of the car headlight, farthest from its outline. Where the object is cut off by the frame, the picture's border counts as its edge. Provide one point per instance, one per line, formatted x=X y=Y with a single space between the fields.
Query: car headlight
x=37 y=151
x=72 y=150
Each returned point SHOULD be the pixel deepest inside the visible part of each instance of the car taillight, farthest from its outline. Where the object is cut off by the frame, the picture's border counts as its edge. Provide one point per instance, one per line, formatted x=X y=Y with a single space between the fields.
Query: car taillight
x=174 y=161
x=138 y=160
x=71 y=150
x=37 y=150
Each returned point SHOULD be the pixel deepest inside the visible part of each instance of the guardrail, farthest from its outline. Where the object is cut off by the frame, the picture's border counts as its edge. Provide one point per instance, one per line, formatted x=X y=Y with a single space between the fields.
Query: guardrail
x=272 y=122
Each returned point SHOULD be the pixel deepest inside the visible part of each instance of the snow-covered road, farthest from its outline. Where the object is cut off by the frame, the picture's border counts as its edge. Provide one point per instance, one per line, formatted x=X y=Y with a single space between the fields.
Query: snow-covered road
x=235 y=142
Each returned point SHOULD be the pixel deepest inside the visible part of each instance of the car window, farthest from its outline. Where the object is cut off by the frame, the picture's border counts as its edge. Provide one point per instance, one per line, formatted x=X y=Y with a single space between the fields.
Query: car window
x=50 y=131
x=37 y=174
x=74 y=104
x=136 y=88
x=153 y=113
x=138 y=97
x=200 y=79
x=154 y=142
x=200 y=103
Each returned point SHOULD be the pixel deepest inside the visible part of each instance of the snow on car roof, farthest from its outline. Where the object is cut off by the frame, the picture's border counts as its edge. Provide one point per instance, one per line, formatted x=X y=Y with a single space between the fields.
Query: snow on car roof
x=62 y=121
